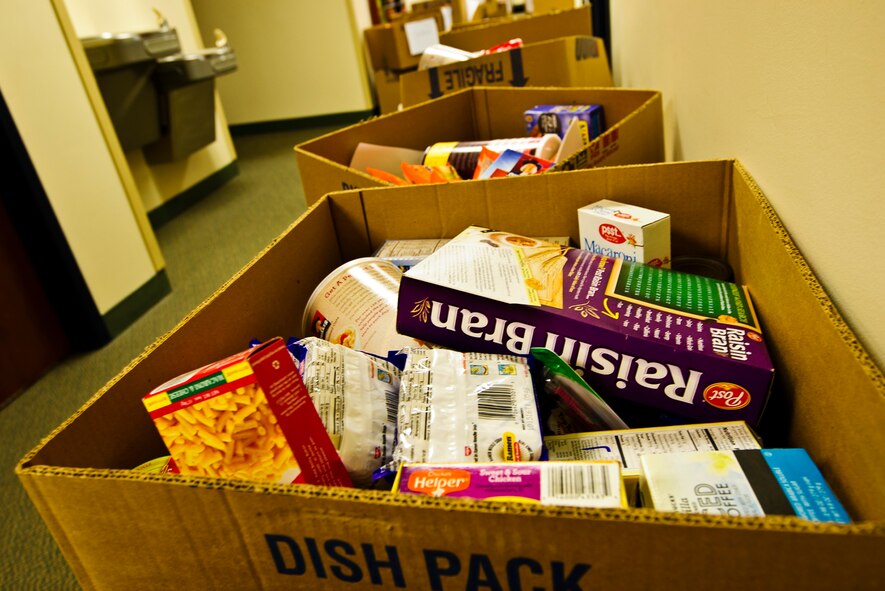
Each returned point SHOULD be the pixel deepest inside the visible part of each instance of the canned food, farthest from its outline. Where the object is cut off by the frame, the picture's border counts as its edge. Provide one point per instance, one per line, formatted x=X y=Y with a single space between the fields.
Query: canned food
x=355 y=306
x=463 y=156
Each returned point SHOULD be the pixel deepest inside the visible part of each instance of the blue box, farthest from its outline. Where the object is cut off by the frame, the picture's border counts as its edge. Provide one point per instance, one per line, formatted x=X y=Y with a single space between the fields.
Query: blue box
x=542 y=119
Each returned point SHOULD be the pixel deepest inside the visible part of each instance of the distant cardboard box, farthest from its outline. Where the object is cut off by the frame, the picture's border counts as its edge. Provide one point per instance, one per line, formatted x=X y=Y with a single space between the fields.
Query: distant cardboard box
x=529 y=28
x=634 y=135
x=121 y=529
x=565 y=62
x=387 y=84
x=399 y=45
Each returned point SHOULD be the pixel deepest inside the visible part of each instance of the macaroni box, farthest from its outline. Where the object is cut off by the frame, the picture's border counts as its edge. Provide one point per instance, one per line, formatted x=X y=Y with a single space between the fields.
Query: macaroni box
x=247 y=416
x=626 y=232
x=829 y=401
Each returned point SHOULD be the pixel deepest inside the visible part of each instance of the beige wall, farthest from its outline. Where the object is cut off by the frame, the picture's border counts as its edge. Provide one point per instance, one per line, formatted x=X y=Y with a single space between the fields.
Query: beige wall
x=158 y=183
x=795 y=90
x=297 y=59
x=62 y=133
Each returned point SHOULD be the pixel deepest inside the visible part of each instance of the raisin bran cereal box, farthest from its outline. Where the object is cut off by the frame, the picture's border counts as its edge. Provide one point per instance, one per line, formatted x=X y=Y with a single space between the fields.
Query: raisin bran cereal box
x=681 y=344
x=248 y=416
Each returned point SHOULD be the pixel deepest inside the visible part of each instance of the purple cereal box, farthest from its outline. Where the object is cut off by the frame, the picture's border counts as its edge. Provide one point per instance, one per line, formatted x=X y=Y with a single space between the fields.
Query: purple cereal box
x=682 y=344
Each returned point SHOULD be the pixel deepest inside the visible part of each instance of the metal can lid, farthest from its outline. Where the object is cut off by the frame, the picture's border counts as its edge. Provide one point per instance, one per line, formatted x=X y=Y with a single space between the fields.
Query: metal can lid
x=309 y=308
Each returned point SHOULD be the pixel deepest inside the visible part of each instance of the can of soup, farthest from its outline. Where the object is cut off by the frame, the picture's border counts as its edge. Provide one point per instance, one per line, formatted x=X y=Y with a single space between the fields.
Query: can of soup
x=355 y=306
x=463 y=156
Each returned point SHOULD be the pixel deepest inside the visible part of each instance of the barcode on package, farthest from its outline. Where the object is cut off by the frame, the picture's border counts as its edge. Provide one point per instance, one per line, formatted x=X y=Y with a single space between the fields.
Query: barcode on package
x=496 y=403
x=581 y=484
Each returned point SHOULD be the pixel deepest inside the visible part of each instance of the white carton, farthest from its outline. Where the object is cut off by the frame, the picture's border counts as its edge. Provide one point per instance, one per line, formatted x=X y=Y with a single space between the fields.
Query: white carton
x=625 y=232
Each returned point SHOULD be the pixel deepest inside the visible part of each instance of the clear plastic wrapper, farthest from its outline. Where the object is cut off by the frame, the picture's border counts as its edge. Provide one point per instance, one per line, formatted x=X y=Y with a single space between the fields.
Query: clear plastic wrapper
x=356 y=396
x=466 y=407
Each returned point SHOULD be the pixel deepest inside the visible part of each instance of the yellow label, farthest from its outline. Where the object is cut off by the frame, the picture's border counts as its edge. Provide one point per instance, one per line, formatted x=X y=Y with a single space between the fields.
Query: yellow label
x=438 y=154
x=157 y=401
x=237 y=371
x=510 y=447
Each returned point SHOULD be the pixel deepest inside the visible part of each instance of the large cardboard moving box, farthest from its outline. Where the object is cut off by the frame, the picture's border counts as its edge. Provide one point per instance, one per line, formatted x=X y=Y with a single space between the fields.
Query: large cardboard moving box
x=529 y=28
x=566 y=62
x=399 y=45
x=123 y=530
x=634 y=131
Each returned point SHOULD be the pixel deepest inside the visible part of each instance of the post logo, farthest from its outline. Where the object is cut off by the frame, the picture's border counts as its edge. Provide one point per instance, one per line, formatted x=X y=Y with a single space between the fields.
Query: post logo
x=611 y=234
x=726 y=396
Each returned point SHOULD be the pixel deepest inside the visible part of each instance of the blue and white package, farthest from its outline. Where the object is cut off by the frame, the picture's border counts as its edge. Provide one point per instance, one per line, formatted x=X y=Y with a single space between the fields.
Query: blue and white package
x=542 y=119
x=749 y=483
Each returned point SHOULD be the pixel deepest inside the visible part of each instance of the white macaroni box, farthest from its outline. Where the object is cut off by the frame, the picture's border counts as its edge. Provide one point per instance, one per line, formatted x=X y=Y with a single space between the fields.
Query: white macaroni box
x=627 y=232
x=628 y=445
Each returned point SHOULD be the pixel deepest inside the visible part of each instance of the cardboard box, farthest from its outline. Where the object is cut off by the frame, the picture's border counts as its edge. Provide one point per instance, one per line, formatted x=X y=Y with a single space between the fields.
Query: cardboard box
x=387 y=90
x=542 y=6
x=634 y=136
x=566 y=62
x=399 y=45
x=529 y=28
x=830 y=399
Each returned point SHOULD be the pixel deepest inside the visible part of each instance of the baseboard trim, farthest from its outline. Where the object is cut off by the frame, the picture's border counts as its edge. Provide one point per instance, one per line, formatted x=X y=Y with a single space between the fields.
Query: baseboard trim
x=300 y=123
x=176 y=205
x=121 y=316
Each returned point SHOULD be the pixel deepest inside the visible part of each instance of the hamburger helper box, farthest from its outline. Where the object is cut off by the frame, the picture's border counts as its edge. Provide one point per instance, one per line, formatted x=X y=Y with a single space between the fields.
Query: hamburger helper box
x=634 y=134
x=249 y=535
x=684 y=344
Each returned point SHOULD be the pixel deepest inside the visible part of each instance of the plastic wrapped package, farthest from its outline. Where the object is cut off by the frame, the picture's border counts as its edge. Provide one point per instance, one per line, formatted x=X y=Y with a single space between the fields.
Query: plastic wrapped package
x=466 y=407
x=356 y=396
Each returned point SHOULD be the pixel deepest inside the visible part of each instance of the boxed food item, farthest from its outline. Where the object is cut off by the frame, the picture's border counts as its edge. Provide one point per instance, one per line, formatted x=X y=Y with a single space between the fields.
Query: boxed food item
x=246 y=416
x=627 y=446
x=829 y=401
x=407 y=253
x=634 y=134
x=624 y=231
x=739 y=483
x=578 y=61
x=575 y=484
x=542 y=119
x=687 y=345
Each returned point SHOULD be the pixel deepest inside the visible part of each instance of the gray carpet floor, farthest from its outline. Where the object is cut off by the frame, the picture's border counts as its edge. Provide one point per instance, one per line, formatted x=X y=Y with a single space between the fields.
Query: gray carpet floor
x=264 y=198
